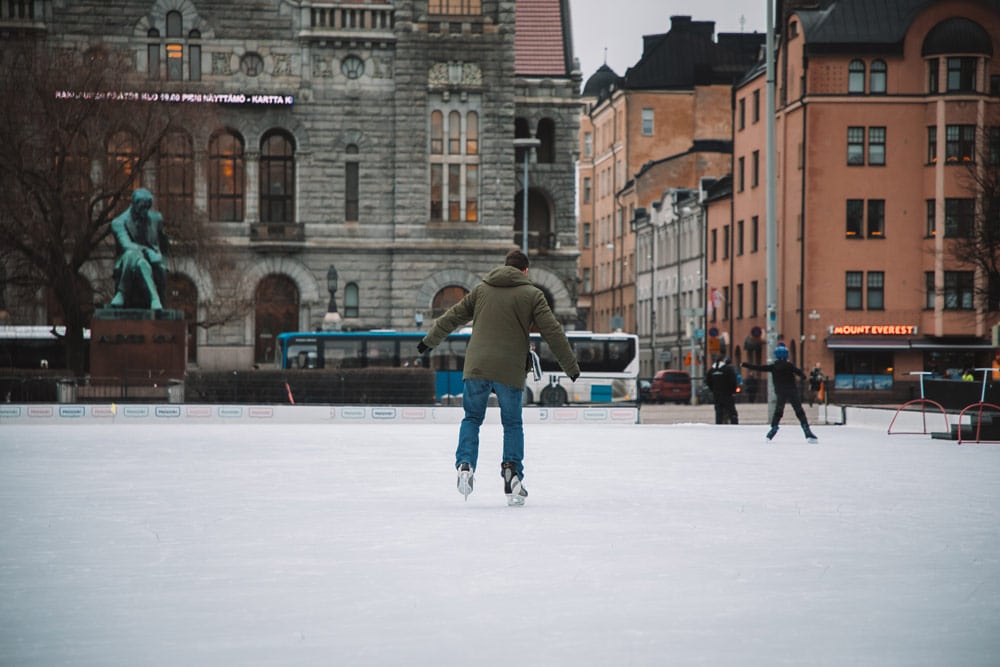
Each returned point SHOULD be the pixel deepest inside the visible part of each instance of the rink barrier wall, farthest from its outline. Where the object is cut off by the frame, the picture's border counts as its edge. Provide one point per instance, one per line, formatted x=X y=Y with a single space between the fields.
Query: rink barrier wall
x=130 y=413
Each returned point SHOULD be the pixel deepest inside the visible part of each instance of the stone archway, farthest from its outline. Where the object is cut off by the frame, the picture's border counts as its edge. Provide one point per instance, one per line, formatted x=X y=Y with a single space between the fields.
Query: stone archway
x=276 y=310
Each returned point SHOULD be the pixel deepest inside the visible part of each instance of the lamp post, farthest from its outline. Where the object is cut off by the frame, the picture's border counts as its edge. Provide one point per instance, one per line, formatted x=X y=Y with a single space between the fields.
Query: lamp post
x=331 y=321
x=527 y=143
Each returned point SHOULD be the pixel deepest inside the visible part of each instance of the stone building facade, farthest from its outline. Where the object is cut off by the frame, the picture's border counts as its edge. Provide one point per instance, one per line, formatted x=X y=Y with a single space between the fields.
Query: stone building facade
x=375 y=137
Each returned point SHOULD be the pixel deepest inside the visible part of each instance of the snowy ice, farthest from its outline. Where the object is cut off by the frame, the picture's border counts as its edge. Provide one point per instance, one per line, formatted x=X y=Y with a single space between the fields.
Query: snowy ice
x=348 y=544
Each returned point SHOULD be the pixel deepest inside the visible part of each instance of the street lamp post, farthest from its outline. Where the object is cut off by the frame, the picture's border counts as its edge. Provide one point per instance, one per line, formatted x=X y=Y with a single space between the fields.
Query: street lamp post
x=527 y=143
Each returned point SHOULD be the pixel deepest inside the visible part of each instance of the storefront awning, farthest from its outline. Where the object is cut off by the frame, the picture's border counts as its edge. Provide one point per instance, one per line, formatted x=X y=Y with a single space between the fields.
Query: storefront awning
x=869 y=343
x=863 y=343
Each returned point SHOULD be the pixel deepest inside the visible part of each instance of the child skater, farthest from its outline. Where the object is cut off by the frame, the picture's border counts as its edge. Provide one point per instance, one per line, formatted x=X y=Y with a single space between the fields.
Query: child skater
x=783 y=372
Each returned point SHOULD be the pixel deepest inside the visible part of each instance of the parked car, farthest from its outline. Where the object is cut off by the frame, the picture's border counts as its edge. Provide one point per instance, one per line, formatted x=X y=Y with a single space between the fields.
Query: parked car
x=645 y=385
x=671 y=385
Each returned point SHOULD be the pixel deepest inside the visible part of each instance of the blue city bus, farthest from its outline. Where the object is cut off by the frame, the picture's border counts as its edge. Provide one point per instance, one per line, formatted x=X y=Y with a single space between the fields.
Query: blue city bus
x=609 y=363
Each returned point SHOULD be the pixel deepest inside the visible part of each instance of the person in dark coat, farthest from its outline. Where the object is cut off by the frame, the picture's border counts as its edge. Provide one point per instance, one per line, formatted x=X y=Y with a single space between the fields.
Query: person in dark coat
x=786 y=390
x=721 y=379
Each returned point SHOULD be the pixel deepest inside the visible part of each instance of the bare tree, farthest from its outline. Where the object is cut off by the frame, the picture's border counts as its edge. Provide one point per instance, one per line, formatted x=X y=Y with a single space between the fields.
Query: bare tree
x=76 y=136
x=977 y=241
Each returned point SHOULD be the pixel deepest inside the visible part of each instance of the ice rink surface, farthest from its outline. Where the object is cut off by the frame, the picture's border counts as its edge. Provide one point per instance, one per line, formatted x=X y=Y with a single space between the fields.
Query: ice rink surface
x=348 y=544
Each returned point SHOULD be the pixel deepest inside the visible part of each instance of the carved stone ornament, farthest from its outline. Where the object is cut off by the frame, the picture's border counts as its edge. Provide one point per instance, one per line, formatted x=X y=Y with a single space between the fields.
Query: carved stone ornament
x=455 y=74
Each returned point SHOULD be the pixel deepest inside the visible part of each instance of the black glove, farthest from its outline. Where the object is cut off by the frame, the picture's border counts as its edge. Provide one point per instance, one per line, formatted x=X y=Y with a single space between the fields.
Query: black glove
x=421 y=348
x=574 y=377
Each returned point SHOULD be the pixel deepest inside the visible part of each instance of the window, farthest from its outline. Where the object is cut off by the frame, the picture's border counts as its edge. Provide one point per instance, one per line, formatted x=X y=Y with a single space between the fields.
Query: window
x=352 y=185
x=929 y=290
x=853 y=290
x=931 y=218
x=961 y=75
x=876 y=145
x=175 y=180
x=755 y=169
x=586 y=189
x=173 y=47
x=352 y=307
x=277 y=177
x=455 y=7
x=715 y=239
x=741 y=173
x=454 y=168
x=755 y=233
x=856 y=77
x=876 y=290
x=153 y=54
x=123 y=161
x=958 y=290
x=932 y=76
x=959 y=217
x=993 y=154
x=742 y=113
x=587 y=287
x=960 y=143
x=855 y=145
x=876 y=218
x=755 y=112
x=647 y=122
x=877 y=79
x=855 y=217
x=226 y=177
x=739 y=238
x=754 y=289
x=725 y=242
x=547 y=135
x=739 y=301
x=587 y=233
x=931 y=145
x=588 y=144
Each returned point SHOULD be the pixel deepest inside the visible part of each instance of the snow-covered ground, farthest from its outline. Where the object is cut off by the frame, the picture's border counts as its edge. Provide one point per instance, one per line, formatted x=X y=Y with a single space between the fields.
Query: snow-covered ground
x=348 y=544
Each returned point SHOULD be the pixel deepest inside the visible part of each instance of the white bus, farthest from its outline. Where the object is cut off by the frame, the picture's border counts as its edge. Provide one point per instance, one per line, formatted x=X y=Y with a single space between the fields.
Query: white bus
x=609 y=371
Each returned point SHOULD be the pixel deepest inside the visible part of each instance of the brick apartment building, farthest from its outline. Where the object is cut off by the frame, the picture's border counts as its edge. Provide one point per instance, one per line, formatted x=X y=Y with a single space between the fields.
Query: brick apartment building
x=885 y=111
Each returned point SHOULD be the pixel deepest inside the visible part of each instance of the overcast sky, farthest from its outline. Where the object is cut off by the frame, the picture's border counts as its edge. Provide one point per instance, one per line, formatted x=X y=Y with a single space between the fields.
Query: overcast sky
x=619 y=25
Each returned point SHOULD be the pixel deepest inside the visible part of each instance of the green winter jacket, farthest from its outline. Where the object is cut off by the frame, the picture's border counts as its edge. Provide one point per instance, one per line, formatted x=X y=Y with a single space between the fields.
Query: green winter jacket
x=503 y=308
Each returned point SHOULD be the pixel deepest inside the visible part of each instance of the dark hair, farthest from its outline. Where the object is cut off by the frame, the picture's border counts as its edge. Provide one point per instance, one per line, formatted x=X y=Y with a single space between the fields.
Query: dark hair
x=517 y=259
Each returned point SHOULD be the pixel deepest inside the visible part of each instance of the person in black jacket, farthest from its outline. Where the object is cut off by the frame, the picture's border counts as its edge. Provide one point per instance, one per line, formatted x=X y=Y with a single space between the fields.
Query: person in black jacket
x=721 y=379
x=784 y=373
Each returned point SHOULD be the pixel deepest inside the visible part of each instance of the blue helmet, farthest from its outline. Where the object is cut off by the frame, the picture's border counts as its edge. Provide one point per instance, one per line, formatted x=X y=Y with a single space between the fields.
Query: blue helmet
x=781 y=352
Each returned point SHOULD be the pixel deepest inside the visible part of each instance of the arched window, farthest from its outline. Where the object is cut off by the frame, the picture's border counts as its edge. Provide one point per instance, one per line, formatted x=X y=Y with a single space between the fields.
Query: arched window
x=175 y=180
x=352 y=305
x=856 y=77
x=277 y=178
x=547 y=136
x=446 y=298
x=182 y=294
x=877 y=76
x=175 y=49
x=123 y=162
x=276 y=311
x=226 y=177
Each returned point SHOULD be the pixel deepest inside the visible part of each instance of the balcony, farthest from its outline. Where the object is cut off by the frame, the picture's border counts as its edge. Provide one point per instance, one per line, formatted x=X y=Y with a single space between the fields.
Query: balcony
x=22 y=15
x=277 y=236
x=348 y=20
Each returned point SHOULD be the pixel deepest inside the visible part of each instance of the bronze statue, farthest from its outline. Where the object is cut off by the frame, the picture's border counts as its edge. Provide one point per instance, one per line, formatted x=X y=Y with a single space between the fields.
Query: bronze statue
x=140 y=272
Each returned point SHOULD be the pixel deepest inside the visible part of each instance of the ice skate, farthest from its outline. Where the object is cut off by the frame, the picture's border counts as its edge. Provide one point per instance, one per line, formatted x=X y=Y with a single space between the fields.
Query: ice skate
x=512 y=487
x=772 y=432
x=810 y=436
x=465 y=479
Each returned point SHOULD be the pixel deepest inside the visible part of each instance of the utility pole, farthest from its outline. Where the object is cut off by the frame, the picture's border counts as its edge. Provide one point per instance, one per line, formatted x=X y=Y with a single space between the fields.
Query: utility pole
x=771 y=226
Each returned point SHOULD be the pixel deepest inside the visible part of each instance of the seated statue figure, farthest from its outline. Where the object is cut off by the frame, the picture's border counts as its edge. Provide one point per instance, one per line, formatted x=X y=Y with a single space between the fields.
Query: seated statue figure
x=140 y=273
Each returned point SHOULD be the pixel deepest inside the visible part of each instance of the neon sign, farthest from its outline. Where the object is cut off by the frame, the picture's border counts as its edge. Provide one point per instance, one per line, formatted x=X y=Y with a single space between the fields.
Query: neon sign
x=177 y=98
x=873 y=330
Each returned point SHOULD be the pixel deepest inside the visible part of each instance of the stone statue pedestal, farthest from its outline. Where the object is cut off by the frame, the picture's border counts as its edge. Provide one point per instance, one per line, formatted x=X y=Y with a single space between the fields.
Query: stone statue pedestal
x=138 y=347
x=332 y=322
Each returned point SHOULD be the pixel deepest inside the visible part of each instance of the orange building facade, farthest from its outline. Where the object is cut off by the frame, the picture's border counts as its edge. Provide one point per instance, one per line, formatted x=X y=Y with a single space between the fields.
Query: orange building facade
x=884 y=114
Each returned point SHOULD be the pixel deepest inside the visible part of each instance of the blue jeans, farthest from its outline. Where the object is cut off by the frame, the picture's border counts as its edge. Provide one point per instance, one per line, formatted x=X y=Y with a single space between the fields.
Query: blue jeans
x=477 y=393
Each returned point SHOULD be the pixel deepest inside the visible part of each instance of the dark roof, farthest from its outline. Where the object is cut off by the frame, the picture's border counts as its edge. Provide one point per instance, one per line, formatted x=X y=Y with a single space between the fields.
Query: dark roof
x=688 y=56
x=602 y=82
x=875 y=25
x=957 y=35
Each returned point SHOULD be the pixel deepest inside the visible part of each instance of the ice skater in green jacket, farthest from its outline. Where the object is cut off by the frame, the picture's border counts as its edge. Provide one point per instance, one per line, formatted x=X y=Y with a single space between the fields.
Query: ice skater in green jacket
x=503 y=308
